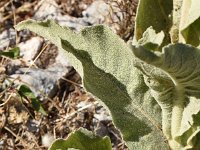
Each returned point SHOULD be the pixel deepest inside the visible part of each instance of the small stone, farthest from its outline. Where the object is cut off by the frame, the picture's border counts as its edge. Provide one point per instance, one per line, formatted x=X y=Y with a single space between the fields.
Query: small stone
x=102 y=130
x=46 y=9
x=41 y=80
x=73 y=23
x=33 y=125
x=13 y=65
x=102 y=117
x=47 y=140
x=96 y=12
x=7 y=38
x=30 y=48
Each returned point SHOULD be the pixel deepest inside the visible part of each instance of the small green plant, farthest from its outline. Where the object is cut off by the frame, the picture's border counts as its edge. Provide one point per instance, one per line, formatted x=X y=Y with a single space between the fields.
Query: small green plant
x=23 y=91
x=152 y=85
x=12 y=53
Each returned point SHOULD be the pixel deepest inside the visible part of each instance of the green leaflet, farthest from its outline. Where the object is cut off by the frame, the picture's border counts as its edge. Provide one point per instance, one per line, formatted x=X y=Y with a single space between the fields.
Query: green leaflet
x=82 y=140
x=155 y=14
x=173 y=77
x=13 y=53
x=25 y=92
x=109 y=74
x=191 y=22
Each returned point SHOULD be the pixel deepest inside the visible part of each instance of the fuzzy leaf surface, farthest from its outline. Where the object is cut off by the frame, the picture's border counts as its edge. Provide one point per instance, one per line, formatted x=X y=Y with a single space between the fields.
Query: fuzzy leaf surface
x=173 y=76
x=82 y=139
x=110 y=75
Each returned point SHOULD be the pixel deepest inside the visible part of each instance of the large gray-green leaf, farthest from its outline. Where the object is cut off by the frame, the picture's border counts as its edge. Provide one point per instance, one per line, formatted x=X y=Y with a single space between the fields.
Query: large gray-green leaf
x=191 y=22
x=173 y=77
x=82 y=140
x=156 y=14
x=109 y=74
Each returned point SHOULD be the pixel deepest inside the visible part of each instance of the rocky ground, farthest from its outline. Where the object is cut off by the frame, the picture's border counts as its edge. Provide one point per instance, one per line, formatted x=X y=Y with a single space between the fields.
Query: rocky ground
x=51 y=77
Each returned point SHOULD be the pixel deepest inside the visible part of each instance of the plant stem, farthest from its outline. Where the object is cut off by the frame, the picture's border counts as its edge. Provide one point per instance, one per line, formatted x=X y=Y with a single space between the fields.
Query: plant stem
x=178 y=107
x=177 y=113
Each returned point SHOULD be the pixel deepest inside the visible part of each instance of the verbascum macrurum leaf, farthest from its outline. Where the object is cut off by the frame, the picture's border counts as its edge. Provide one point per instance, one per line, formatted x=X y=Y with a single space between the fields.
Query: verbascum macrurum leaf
x=106 y=64
x=173 y=77
x=82 y=139
x=190 y=23
x=156 y=14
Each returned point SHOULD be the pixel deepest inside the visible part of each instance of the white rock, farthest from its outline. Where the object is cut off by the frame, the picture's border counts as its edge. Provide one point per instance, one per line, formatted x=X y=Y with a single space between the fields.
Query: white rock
x=62 y=58
x=7 y=37
x=102 y=117
x=46 y=9
x=47 y=140
x=73 y=23
x=96 y=12
x=30 y=48
x=41 y=80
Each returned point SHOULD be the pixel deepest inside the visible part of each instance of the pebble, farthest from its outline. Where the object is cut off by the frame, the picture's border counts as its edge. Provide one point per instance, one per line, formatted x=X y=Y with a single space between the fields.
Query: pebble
x=41 y=80
x=96 y=12
x=47 y=140
x=7 y=38
x=30 y=48
x=46 y=9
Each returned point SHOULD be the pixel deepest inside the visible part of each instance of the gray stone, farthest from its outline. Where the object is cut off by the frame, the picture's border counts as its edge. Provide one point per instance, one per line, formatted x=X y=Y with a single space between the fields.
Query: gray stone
x=41 y=80
x=46 y=9
x=73 y=23
x=102 y=130
x=33 y=125
x=7 y=38
x=103 y=116
x=30 y=48
x=96 y=12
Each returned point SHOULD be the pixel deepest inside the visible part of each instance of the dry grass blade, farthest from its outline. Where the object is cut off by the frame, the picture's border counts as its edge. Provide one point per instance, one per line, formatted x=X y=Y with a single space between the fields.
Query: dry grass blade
x=75 y=112
x=72 y=82
x=16 y=136
x=35 y=59
x=9 y=97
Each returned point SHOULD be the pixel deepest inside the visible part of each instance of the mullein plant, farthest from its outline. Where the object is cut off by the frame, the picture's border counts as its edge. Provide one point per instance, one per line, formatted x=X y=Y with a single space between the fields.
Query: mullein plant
x=150 y=86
